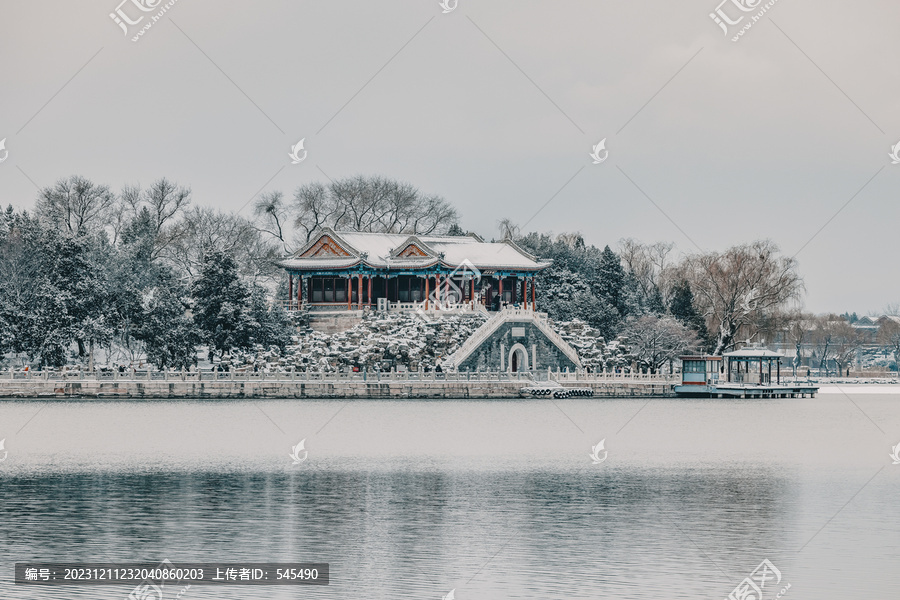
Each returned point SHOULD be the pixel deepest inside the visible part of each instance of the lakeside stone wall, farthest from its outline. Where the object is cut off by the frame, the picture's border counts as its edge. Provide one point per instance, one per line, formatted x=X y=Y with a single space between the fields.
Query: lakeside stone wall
x=285 y=388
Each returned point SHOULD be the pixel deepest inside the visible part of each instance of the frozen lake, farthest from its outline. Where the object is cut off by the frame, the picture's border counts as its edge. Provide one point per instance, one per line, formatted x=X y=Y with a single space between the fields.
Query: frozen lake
x=497 y=499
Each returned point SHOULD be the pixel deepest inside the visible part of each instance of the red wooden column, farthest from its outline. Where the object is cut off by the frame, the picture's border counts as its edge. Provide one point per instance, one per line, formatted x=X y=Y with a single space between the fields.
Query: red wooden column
x=290 y=289
x=359 y=294
x=525 y=292
x=300 y=283
x=349 y=292
x=437 y=290
x=472 y=295
x=501 y=292
x=427 y=291
x=370 y=291
x=533 y=305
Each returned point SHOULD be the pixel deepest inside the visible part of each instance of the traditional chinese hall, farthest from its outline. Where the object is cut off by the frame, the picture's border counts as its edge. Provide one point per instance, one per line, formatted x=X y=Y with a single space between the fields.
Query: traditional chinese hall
x=342 y=270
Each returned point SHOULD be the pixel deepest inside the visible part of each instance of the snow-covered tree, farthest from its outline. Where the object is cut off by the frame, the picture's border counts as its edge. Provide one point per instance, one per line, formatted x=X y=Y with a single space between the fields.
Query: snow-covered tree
x=654 y=341
x=736 y=289
x=229 y=313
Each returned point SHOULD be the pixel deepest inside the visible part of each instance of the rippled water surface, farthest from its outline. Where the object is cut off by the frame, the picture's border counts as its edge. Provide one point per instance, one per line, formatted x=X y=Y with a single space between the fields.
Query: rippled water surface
x=411 y=499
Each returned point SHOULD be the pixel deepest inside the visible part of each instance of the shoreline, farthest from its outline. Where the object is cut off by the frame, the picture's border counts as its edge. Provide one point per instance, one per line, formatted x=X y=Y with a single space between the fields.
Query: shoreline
x=284 y=386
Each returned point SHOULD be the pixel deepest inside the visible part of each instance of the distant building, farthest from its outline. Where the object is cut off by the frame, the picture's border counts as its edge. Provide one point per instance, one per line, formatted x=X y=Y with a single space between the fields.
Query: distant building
x=344 y=270
x=894 y=319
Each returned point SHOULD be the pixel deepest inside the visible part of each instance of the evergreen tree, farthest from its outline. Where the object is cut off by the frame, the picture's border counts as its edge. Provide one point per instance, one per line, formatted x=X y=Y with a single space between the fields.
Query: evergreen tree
x=220 y=304
x=78 y=288
x=229 y=314
x=273 y=325
x=169 y=334
x=610 y=281
x=682 y=307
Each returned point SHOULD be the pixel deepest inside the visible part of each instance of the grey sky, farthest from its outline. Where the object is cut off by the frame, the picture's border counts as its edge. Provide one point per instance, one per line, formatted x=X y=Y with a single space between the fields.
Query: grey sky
x=495 y=106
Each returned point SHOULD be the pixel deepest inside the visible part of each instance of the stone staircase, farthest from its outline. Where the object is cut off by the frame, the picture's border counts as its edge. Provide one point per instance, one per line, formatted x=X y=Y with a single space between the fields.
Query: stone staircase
x=518 y=315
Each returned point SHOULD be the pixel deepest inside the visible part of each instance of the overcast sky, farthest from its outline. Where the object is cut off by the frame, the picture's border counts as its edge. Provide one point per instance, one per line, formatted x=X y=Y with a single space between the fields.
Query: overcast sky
x=494 y=105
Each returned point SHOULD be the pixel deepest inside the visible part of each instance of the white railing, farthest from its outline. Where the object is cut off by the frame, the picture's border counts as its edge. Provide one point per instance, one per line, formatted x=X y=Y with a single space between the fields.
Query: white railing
x=544 y=325
x=512 y=314
x=581 y=375
x=433 y=307
x=244 y=375
x=131 y=375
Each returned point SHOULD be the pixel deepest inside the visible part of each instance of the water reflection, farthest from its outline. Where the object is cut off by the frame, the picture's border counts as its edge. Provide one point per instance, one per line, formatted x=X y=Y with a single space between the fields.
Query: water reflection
x=407 y=533
x=410 y=500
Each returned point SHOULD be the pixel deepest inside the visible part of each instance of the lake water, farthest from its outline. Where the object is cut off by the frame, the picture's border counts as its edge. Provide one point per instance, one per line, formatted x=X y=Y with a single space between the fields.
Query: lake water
x=495 y=499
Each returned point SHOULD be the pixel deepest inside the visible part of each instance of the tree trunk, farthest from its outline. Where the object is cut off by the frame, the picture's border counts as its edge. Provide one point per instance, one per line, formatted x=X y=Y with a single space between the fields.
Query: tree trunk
x=724 y=338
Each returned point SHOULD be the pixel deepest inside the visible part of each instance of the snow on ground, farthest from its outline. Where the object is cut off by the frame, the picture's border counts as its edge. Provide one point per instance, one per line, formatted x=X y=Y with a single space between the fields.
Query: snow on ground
x=406 y=341
x=858 y=388
x=398 y=340
x=593 y=350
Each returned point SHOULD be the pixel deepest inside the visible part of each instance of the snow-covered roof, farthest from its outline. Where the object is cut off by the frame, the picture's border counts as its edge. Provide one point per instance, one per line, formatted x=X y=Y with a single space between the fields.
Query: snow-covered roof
x=754 y=353
x=331 y=249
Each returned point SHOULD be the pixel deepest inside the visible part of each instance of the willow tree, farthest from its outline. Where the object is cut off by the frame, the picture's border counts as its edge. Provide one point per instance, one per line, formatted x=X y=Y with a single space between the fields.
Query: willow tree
x=739 y=289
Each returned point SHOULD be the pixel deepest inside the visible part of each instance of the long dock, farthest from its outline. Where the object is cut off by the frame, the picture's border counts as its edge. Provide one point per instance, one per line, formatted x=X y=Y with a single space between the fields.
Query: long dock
x=748 y=390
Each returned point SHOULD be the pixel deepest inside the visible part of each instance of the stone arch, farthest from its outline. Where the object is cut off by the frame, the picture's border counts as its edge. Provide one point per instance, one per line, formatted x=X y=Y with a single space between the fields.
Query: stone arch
x=518 y=358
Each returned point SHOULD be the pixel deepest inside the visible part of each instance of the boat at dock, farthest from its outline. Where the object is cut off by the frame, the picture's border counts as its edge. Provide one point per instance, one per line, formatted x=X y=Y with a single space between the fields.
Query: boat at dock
x=745 y=373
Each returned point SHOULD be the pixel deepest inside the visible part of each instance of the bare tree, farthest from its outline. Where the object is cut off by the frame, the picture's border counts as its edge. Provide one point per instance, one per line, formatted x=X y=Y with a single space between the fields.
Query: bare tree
x=573 y=240
x=165 y=200
x=798 y=330
x=76 y=205
x=124 y=210
x=370 y=204
x=737 y=288
x=848 y=341
x=272 y=216
x=649 y=265
x=508 y=229
x=205 y=230
x=313 y=207
x=822 y=341
x=889 y=336
x=654 y=341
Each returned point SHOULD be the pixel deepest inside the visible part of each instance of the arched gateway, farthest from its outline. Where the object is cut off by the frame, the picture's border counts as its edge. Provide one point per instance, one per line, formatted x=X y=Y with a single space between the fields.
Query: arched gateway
x=518 y=358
